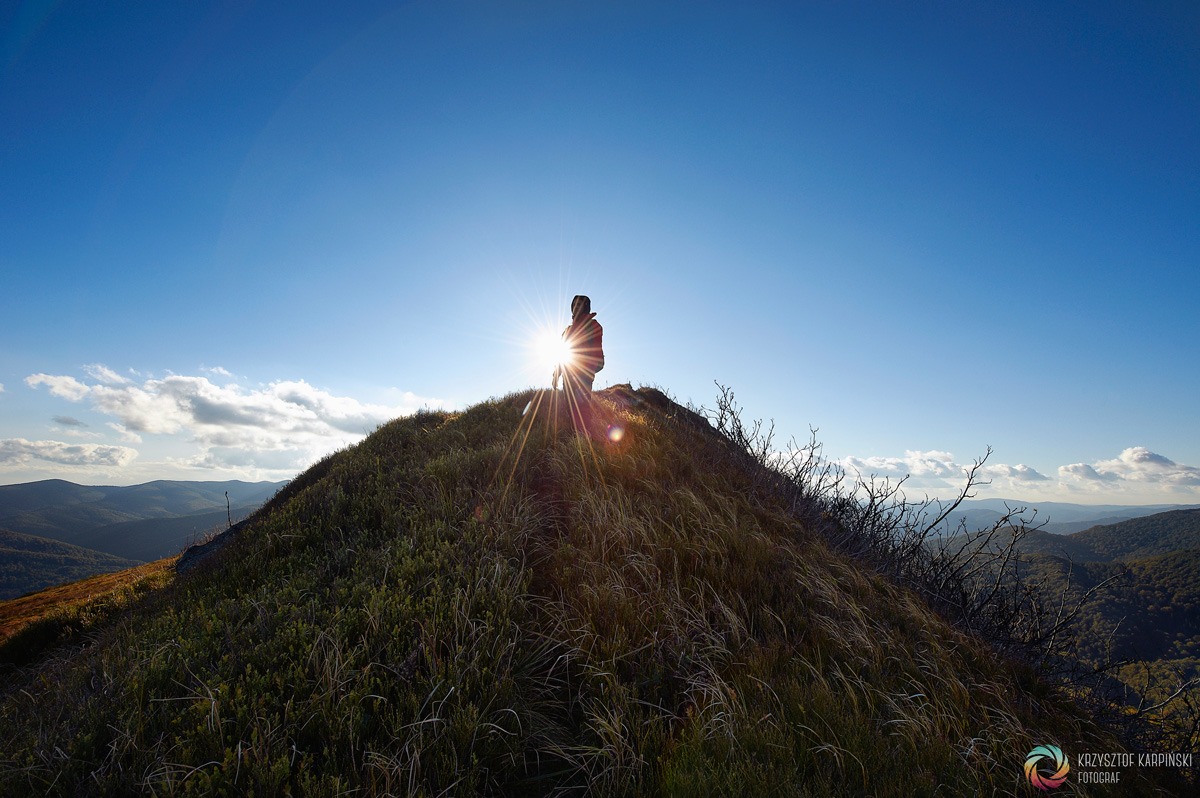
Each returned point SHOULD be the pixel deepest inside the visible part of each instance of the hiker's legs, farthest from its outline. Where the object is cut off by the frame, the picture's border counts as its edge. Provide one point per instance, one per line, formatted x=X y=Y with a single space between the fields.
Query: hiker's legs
x=578 y=385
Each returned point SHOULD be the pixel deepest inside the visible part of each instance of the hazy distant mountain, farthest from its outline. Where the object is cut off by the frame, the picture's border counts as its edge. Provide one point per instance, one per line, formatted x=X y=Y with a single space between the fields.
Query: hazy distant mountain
x=1060 y=518
x=973 y=517
x=65 y=511
x=154 y=538
x=1069 y=527
x=29 y=563
x=1067 y=547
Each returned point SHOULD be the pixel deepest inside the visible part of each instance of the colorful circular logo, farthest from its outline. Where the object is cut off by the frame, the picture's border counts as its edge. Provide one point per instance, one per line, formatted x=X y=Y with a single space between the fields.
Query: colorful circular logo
x=1053 y=757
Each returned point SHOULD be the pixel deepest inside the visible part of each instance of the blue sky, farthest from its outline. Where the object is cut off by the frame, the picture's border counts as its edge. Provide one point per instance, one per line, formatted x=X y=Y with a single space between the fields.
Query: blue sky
x=237 y=236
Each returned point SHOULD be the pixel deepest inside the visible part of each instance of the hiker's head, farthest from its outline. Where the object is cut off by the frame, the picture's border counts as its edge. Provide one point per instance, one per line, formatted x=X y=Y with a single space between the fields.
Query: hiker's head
x=580 y=306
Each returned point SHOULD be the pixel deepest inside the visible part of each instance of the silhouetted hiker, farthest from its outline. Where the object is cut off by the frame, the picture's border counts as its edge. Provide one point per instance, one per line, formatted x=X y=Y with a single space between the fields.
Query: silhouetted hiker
x=585 y=339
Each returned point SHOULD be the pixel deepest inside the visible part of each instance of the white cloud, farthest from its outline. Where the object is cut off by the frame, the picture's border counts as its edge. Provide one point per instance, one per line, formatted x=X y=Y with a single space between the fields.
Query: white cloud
x=1 y=387
x=154 y=407
x=284 y=425
x=1135 y=468
x=938 y=473
x=18 y=450
x=81 y=433
x=64 y=387
x=1137 y=475
x=195 y=404
x=216 y=371
x=76 y=432
x=125 y=435
x=102 y=373
x=917 y=464
x=1084 y=473
x=1017 y=473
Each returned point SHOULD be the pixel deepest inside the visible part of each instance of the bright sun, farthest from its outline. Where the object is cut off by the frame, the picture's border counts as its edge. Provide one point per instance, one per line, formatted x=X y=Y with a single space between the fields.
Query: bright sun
x=550 y=350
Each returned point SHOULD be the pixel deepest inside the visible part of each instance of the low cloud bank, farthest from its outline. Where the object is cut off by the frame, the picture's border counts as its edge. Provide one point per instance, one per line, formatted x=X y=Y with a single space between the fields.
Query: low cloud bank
x=1136 y=466
x=280 y=427
x=938 y=468
x=1136 y=475
x=17 y=451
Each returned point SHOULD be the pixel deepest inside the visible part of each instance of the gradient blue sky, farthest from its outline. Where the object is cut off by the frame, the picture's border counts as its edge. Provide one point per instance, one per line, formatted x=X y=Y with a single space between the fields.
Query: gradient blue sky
x=236 y=236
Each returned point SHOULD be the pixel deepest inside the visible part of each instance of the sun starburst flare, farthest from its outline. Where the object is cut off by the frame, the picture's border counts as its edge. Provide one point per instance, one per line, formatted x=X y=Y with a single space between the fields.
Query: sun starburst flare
x=550 y=351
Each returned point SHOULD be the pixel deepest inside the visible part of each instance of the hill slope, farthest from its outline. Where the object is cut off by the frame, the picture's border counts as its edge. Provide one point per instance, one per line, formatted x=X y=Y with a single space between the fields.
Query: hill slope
x=487 y=603
x=1149 y=611
x=1148 y=536
x=29 y=563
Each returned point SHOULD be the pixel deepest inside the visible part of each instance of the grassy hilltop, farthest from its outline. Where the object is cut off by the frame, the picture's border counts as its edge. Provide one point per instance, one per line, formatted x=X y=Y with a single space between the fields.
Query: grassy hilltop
x=487 y=603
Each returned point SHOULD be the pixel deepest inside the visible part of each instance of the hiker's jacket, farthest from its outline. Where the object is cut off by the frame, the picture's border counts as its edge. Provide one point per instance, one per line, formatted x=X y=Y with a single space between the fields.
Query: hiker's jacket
x=585 y=336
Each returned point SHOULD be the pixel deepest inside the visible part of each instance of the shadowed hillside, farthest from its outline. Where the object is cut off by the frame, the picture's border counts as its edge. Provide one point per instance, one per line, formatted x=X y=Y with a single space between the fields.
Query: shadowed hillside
x=154 y=538
x=1130 y=599
x=487 y=603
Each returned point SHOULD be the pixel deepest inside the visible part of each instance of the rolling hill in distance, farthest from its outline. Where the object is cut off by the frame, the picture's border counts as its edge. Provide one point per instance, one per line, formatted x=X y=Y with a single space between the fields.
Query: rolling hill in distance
x=1124 y=541
x=1147 y=536
x=153 y=538
x=489 y=602
x=62 y=510
x=29 y=563
x=57 y=531
x=1149 y=613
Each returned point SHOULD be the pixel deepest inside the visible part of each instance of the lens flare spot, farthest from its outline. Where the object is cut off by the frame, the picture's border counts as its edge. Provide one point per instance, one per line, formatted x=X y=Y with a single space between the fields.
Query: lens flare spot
x=615 y=433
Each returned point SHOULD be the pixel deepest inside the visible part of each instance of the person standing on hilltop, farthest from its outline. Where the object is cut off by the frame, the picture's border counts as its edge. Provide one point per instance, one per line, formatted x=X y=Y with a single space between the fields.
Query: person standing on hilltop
x=585 y=341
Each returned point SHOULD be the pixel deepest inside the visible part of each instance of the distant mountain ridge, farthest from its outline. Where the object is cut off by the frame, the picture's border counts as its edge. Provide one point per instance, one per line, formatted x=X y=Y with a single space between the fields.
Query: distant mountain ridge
x=65 y=511
x=1059 y=518
x=1149 y=612
x=1147 y=536
x=1132 y=586
x=61 y=531
x=153 y=538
